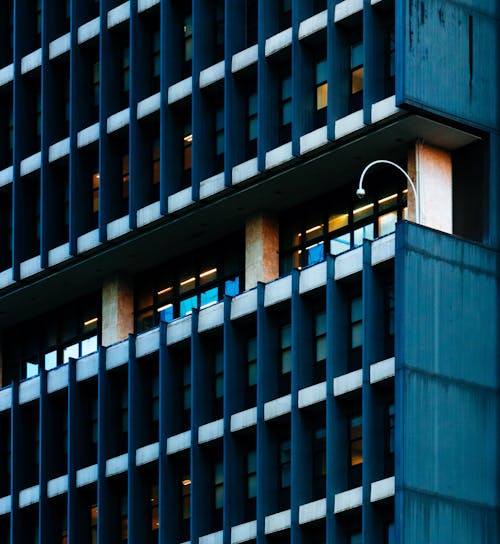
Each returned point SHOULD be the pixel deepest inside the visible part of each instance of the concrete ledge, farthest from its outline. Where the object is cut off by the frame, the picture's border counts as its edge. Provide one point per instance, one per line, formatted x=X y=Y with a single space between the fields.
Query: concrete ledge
x=147 y=454
x=279 y=41
x=59 y=149
x=349 y=263
x=244 y=420
x=213 y=538
x=312 y=511
x=383 y=489
x=277 y=407
x=244 y=58
x=5 y=398
x=6 y=74
x=148 y=105
x=347 y=383
x=118 y=120
x=29 y=496
x=6 y=176
x=86 y=476
x=244 y=532
x=117 y=465
x=179 y=330
x=244 y=171
x=179 y=442
x=244 y=304
x=212 y=186
x=88 y=241
x=313 y=24
x=312 y=277
x=347 y=8
x=148 y=214
x=210 y=431
x=119 y=14
x=278 y=291
x=89 y=30
x=383 y=249
x=31 y=267
x=88 y=135
x=384 y=108
x=180 y=200
x=59 y=46
x=349 y=124
x=117 y=354
x=29 y=390
x=312 y=395
x=211 y=317
x=59 y=254
x=57 y=486
x=147 y=342
x=6 y=278
x=30 y=164
x=277 y=522
x=57 y=378
x=118 y=227
x=180 y=90
x=383 y=370
x=214 y=73
x=5 y=505
x=87 y=367
x=143 y=5
x=279 y=155
x=313 y=140
x=348 y=500
x=31 y=61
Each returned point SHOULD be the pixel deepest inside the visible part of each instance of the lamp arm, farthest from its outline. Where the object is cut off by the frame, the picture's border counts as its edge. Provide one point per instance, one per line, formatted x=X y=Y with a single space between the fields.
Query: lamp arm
x=410 y=181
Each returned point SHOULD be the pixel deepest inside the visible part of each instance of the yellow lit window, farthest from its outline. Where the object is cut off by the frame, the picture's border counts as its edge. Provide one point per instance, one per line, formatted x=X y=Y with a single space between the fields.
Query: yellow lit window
x=95 y=192
x=337 y=221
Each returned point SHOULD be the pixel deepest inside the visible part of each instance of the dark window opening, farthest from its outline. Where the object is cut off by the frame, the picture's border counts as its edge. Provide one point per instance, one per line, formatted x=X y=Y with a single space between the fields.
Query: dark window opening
x=285 y=14
x=356 y=333
x=321 y=96
x=389 y=445
x=251 y=372
x=319 y=463
x=285 y=111
x=251 y=27
x=390 y=69
x=356 y=67
x=285 y=359
x=252 y=125
x=319 y=368
x=355 y=450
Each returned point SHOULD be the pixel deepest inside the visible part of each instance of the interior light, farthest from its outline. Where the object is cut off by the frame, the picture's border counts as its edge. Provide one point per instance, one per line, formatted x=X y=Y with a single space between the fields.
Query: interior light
x=313 y=229
x=189 y=280
x=163 y=291
x=387 y=198
x=91 y=321
x=363 y=208
x=207 y=273
x=186 y=482
x=405 y=191
x=164 y=307
x=314 y=245
x=188 y=138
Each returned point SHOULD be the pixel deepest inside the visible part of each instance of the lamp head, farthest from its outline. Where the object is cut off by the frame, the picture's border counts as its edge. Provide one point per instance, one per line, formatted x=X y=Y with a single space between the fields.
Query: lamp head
x=360 y=193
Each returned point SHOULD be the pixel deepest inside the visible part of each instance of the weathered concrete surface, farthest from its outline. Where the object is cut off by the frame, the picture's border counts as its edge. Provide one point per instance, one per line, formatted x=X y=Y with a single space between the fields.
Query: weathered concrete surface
x=261 y=249
x=117 y=309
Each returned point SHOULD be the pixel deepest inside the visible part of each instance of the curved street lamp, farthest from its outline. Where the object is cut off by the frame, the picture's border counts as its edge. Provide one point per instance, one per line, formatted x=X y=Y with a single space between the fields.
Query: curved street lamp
x=360 y=193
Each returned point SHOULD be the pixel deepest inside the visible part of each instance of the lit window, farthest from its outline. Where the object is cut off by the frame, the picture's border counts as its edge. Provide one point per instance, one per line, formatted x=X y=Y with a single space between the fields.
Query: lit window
x=356 y=68
x=186 y=496
x=155 y=519
x=50 y=360
x=321 y=85
x=31 y=369
x=188 y=142
x=93 y=523
x=95 y=192
x=356 y=441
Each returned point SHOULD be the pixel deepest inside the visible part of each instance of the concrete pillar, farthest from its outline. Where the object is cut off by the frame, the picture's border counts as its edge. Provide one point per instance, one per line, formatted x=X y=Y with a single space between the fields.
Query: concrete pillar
x=431 y=168
x=261 y=249
x=117 y=309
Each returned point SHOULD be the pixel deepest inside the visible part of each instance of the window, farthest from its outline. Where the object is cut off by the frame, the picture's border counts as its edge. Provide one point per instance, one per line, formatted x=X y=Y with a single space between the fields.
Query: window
x=155 y=402
x=188 y=143
x=356 y=538
x=186 y=496
x=186 y=393
x=218 y=383
x=285 y=14
x=219 y=29
x=313 y=230
x=285 y=460
x=155 y=518
x=356 y=440
x=285 y=109
x=219 y=139
x=188 y=43
x=390 y=71
x=156 y=168
x=95 y=83
x=319 y=371
x=252 y=124
x=125 y=176
x=321 y=92
x=286 y=348
x=251 y=352
x=389 y=318
x=219 y=485
x=356 y=63
x=389 y=440
x=124 y=517
x=95 y=192
x=251 y=475
x=125 y=73
x=251 y=23
x=356 y=332
x=156 y=59
x=93 y=523
x=319 y=462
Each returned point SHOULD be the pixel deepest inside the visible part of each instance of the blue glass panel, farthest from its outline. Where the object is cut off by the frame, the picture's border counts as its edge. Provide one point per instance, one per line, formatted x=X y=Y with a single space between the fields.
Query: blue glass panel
x=187 y=305
x=209 y=297
x=232 y=287
x=315 y=254
x=167 y=313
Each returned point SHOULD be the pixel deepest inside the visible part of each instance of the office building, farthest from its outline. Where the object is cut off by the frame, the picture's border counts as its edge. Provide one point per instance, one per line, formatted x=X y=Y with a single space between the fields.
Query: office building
x=206 y=336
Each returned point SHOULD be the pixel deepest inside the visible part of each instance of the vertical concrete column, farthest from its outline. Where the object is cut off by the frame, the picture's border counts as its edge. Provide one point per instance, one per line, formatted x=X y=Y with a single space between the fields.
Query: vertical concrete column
x=117 y=309
x=261 y=249
x=431 y=169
